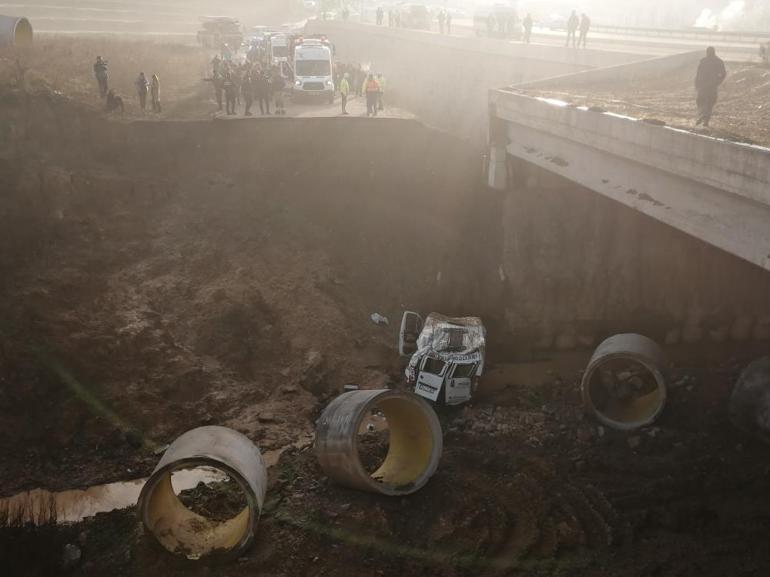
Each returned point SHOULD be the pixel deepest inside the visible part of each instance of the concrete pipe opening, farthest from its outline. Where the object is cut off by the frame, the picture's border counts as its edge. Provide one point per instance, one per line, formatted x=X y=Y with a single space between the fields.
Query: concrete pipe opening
x=414 y=441
x=15 y=31
x=219 y=518
x=623 y=385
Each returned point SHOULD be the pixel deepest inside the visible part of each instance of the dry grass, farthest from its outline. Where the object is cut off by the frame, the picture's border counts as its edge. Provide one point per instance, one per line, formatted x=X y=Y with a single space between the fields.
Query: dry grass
x=65 y=64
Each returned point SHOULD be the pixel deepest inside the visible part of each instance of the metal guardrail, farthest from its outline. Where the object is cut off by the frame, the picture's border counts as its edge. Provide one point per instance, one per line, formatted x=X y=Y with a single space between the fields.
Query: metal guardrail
x=748 y=37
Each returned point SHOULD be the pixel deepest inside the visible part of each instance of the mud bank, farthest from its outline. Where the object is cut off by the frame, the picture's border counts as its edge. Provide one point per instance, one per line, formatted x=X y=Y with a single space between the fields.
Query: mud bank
x=401 y=208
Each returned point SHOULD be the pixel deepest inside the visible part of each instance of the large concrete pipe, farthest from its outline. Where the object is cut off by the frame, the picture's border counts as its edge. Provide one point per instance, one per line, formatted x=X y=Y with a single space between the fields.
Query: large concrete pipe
x=750 y=400
x=181 y=530
x=15 y=31
x=413 y=452
x=623 y=385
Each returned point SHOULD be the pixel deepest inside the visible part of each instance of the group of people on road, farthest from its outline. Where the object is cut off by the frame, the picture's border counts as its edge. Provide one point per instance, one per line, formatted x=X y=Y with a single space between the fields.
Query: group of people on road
x=352 y=80
x=247 y=82
x=114 y=101
x=575 y=24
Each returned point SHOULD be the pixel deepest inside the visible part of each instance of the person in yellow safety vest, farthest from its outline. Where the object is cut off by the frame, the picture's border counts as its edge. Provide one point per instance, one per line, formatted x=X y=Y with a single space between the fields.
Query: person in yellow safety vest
x=381 y=82
x=372 y=90
x=344 y=91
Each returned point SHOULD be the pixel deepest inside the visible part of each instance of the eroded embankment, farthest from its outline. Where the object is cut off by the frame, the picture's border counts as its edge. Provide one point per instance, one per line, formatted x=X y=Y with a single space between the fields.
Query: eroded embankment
x=160 y=275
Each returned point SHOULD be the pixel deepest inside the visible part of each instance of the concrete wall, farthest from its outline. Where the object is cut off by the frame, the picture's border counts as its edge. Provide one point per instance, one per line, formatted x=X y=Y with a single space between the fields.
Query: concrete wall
x=716 y=190
x=579 y=265
x=445 y=79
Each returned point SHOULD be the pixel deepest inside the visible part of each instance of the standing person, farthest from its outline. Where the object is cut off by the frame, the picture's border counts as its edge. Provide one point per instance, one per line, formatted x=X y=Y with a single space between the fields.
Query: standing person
x=572 y=26
x=262 y=92
x=142 y=87
x=527 y=24
x=279 y=84
x=381 y=93
x=585 y=26
x=100 y=71
x=230 y=94
x=359 y=78
x=448 y=22
x=247 y=89
x=155 y=93
x=441 y=20
x=711 y=73
x=344 y=91
x=380 y=15
x=216 y=65
x=372 y=94
x=219 y=85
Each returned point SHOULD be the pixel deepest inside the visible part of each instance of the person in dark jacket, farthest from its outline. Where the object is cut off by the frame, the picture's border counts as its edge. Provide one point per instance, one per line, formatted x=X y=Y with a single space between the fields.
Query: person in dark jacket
x=142 y=87
x=572 y=27
x=114 y=102
x=584 y=27
x=231 y=92
x=278 y=85
x=262 y=92
x=100 y=71
x=711 y=73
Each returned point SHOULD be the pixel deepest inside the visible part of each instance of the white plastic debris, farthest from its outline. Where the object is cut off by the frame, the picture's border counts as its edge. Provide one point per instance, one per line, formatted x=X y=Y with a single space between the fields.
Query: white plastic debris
x=378 y=319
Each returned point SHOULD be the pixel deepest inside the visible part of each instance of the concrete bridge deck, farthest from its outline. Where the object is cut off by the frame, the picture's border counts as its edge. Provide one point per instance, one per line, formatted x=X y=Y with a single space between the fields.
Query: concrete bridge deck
x=713 y=189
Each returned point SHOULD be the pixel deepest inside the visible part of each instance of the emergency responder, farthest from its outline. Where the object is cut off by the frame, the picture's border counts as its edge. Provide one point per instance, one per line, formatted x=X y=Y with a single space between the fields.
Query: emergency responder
x=527 y=24
x=381 y=93
x=155 y=93
x=572 y=27
x=230 y=94
x=372 y=90
x=344 y=91
x=100 y=71
x=142 y=87
x=585 y=26
x=711 y=73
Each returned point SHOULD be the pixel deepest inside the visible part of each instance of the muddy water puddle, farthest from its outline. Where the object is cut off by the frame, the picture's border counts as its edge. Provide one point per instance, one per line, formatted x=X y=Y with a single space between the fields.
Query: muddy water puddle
x=39 y=507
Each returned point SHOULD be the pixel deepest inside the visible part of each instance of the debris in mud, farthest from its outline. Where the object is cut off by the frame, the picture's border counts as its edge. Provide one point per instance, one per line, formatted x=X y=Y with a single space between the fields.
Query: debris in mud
x=373 y=448
x=218 y=501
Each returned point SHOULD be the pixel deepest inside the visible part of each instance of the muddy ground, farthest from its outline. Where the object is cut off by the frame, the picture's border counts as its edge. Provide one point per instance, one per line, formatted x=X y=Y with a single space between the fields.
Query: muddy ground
x=142 y=296
x=741 y=114
x=527 y=486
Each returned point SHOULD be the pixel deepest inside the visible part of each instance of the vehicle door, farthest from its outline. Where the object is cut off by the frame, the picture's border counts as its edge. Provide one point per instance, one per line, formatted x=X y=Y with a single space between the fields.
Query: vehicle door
x=411 y=326
x=430 y=378
x=459 y=383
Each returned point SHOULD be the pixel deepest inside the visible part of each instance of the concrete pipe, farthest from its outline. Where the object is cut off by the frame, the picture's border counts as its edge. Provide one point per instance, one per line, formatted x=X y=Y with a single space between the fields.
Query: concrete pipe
x=623 y=385
x=181 y=530
x=750 y=400
x=15 y=31
x=413 y=452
